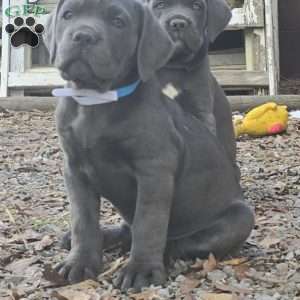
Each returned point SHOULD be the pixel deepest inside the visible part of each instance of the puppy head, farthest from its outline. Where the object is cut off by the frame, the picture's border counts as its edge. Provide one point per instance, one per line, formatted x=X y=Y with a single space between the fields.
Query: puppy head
x=96 y=44
x=190 y=22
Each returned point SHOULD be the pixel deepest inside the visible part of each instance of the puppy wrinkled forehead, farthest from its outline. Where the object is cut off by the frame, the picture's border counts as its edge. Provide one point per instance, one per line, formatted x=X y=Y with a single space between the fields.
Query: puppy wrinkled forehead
x=100 y=4
x=178 y=2
x=103 y=10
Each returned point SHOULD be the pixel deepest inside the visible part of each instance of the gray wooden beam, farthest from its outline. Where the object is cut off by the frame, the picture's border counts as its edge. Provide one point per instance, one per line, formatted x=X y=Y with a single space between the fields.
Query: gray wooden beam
x=238 y=103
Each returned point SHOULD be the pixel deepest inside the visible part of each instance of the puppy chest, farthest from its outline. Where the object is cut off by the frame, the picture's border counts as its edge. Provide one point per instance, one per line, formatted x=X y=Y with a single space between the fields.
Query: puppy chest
x=102 y=157
x=108 y=166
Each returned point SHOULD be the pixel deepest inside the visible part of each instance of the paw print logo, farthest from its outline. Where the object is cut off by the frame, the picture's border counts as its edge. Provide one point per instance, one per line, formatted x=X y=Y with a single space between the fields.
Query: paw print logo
x=24 y=33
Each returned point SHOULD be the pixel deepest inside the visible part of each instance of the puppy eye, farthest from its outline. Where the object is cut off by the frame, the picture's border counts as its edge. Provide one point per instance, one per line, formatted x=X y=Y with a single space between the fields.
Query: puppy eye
x=118 y=22
x=197 y=6
x=159 y=5
x=67 y=15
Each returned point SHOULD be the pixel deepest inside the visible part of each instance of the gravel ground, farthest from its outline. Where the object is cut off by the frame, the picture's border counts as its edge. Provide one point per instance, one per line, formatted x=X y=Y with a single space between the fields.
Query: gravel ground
x=34 y=213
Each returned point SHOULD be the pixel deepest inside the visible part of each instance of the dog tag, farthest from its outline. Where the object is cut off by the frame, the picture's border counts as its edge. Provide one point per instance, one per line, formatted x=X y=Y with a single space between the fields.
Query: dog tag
x=170 y=91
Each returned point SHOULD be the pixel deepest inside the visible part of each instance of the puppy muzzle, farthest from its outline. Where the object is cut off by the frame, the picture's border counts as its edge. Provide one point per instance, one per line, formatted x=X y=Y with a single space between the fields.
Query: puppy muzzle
x=178 y=23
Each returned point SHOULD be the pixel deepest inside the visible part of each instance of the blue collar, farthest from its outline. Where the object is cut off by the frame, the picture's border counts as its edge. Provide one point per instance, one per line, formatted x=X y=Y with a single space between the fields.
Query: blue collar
x=87 y=97
x=128 y=89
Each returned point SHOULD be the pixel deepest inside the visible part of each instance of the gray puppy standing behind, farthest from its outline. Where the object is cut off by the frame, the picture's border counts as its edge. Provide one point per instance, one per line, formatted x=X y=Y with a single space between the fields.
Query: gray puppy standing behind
x=193 y=25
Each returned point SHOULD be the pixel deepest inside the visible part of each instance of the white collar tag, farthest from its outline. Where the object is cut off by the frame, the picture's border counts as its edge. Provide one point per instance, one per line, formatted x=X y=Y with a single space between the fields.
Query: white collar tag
x=171 y=91
x=86 y=97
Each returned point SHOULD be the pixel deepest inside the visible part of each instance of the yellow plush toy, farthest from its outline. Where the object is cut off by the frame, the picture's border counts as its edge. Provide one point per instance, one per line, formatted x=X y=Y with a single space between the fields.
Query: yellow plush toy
x=266 y=119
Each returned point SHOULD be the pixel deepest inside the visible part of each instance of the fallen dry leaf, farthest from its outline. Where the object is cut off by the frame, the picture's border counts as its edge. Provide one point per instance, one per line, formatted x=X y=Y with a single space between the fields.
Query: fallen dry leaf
x=46 y=241
x=18 y=266
x=198 y=265
x=52 y=275
x=58 y=296
x=235 y=261
x=241 y=271
x=82 y=291
x=71 y=295
x=106 y=297
x=213 y=296
x=16 y=294
x=188 y=284
x=149 y=294
x=210 y=264
x=232 y=289
x=113 y=268
x=262 y=277
x=269 y=241
x=29 y=235
x=13 y=221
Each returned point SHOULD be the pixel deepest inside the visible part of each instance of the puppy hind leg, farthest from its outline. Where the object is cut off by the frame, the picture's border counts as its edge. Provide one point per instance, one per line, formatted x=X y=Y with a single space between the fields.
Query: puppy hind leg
x=209 y=121
x=113 y=236
x=117 y=236
x=224 y=237
x=202 y=110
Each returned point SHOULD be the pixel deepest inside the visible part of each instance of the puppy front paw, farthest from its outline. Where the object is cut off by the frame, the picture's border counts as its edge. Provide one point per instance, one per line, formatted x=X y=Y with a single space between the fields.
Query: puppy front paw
x=137 y=275
x=79 y=266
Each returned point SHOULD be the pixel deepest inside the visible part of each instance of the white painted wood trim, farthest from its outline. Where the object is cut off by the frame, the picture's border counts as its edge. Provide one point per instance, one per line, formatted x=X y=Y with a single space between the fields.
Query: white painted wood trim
x=5 y=57
x=271 y=32
x=37 y=77
x=49 y=77
x=276 y=41
x=250 y=15
x=20 y=58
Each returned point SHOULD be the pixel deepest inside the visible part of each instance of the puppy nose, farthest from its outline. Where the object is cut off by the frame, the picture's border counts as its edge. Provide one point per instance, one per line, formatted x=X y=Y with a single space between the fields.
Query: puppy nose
x=84 y=37
x=178 y=23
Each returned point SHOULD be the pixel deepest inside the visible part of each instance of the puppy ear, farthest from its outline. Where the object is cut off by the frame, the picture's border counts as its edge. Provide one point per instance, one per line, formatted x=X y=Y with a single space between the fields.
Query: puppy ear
x=155 y=46
x=219 y=15
x=50 y=32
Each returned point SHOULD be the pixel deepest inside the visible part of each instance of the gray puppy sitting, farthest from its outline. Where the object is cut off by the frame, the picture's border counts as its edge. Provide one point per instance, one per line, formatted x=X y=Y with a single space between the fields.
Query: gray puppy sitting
x=161 y=168
x=193 y=25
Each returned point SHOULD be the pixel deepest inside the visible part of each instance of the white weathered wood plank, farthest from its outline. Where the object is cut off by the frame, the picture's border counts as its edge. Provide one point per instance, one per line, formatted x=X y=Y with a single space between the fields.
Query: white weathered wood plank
x=37 y=78
x=249 y=50
x=255 y=49
x=254 y=13
x=276 y=42
x=49 y=77
x=20 y=58
x=5 y=52
x=250 y=15
x=272 y=61
x=230 y=57
x=242 y=78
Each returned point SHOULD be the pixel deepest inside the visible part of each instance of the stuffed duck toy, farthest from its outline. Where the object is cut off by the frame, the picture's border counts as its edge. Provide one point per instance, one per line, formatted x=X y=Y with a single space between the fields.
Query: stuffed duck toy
x=266 y=119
